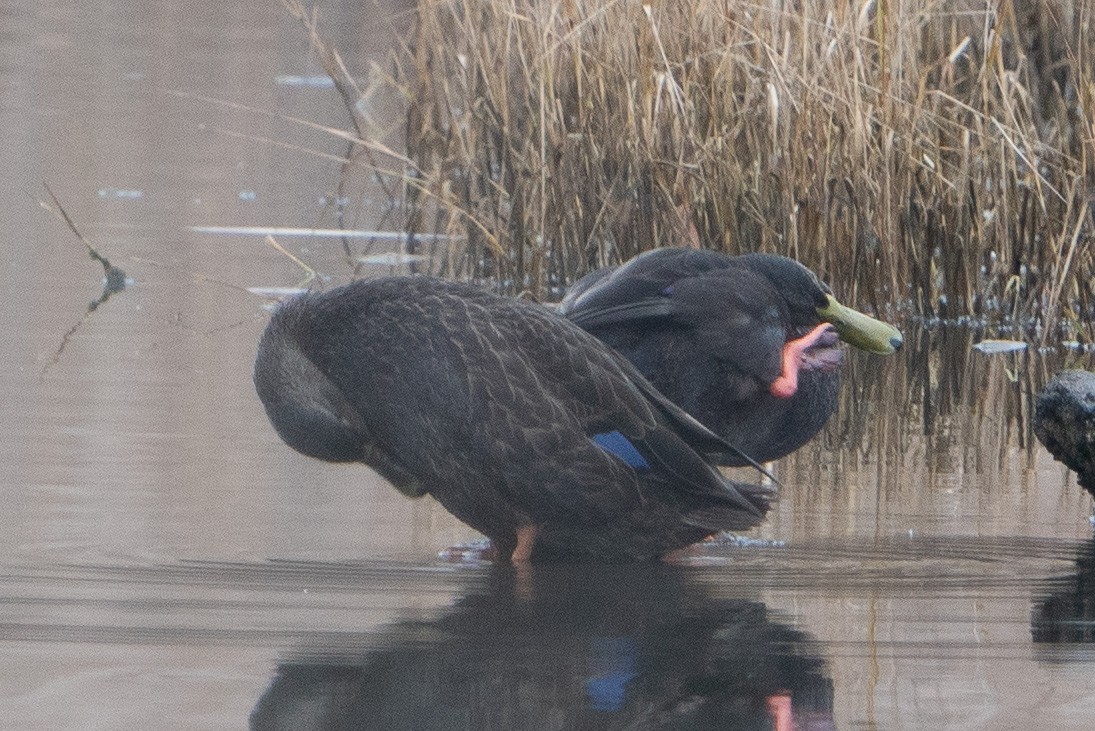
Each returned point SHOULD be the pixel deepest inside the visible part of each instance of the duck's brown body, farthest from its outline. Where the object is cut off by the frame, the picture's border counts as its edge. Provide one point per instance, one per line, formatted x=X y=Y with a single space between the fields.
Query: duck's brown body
x=511 y=417
x=738 y=342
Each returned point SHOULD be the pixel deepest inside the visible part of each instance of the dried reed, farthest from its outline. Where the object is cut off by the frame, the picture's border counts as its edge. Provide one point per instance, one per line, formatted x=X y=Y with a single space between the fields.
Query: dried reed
x=924 y=153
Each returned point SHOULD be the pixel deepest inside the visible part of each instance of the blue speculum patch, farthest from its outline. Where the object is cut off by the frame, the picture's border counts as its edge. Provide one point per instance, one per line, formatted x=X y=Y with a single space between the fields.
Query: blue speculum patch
x=620 y=446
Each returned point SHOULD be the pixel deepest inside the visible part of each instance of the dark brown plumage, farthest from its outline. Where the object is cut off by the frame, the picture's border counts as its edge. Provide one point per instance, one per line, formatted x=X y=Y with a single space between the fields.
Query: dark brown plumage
x=513 y=418
x=738 y=342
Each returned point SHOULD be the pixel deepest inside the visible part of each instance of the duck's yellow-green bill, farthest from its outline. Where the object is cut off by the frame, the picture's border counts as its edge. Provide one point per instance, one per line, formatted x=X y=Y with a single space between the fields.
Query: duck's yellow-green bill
x=859 y=330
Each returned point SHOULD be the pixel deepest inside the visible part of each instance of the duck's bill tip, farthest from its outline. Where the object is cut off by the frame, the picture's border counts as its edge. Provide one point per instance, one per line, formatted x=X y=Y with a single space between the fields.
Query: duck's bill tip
x=861 y=331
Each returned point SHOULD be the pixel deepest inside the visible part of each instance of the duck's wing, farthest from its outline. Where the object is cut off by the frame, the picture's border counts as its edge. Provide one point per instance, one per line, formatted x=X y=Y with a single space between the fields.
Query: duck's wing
x=698 y=437
x=636 y=289
x=577 y=289
x=500 y=399
x=604 y=419
x=724 y=311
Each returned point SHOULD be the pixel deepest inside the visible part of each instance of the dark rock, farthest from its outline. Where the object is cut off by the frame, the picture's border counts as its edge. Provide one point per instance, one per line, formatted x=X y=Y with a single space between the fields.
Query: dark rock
x=1064 y=421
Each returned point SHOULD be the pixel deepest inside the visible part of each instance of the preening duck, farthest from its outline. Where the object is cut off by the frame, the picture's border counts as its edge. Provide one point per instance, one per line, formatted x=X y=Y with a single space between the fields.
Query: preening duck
x=748 y=345
x=517 y=421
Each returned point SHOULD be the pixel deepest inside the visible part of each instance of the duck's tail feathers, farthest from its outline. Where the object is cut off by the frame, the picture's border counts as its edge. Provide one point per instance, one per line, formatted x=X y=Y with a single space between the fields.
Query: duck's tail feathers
x=728 y=515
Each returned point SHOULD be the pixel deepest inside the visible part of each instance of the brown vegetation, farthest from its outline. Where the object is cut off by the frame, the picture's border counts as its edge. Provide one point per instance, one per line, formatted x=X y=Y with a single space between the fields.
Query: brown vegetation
x=928 y=153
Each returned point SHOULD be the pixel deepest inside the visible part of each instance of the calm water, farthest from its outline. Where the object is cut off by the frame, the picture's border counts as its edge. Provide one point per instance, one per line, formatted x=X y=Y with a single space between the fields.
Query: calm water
x=165 y=562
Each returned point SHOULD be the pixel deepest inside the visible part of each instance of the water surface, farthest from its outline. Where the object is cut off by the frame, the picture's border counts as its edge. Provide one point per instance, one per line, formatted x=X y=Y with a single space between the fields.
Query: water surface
x=165 y=562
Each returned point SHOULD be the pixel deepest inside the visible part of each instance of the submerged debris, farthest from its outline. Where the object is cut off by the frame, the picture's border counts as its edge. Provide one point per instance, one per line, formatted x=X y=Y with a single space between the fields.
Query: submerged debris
x=114 y=278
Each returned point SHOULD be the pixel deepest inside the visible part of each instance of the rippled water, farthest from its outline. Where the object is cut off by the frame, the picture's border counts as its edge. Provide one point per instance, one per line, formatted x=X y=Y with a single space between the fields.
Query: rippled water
x=165 y=562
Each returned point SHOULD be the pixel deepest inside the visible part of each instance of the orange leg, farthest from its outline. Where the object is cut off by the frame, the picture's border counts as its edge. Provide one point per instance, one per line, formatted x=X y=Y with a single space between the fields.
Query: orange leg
x=787 y=384
x=526 y=538
x=681 y=554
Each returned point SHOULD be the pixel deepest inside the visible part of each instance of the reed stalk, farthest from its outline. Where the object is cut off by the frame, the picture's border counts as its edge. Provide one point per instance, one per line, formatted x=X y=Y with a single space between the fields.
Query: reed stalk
x=918 y=154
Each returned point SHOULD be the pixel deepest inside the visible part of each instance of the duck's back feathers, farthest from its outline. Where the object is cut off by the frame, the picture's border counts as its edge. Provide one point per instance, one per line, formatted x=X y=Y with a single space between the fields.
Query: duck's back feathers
x=507 y=414
x=678 y=304
x=708 y=330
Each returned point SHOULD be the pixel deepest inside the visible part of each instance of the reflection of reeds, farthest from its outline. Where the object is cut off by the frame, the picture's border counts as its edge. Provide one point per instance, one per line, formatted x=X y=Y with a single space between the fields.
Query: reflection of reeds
x=955 y=397
x=937 y=425
x=934 y=153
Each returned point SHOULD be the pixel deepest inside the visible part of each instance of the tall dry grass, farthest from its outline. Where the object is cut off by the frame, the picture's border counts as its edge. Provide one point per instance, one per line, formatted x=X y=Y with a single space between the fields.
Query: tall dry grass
x=911 y=151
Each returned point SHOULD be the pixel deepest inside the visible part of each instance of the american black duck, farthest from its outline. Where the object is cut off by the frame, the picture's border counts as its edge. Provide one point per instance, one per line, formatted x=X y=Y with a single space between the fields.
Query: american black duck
x=748 y=345
x=521 y=424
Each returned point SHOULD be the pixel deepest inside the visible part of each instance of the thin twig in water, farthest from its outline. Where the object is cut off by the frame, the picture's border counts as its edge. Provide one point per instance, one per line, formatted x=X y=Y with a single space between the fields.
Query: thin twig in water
x=114 y=279
x=272 y=242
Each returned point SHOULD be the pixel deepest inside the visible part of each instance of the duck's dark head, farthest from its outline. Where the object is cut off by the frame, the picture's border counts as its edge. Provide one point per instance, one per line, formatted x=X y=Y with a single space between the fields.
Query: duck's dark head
x=810 y=300
x=307 y=410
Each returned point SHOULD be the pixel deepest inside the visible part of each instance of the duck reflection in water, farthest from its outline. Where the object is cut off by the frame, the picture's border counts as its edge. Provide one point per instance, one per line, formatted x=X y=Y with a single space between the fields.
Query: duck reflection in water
x=643 y=646
x=1065 y=614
